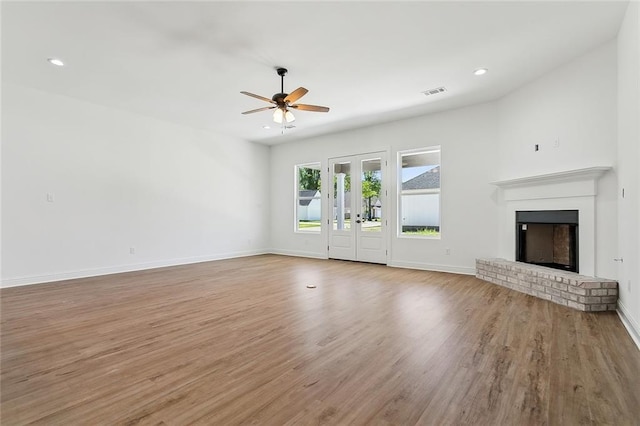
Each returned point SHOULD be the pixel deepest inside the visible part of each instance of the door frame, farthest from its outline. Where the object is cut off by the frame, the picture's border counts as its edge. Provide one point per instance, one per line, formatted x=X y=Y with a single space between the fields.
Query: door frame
x=355 y=234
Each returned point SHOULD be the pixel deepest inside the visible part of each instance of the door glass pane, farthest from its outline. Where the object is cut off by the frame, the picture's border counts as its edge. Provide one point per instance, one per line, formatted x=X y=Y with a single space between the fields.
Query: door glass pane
x=371 y=202
x=342 y=196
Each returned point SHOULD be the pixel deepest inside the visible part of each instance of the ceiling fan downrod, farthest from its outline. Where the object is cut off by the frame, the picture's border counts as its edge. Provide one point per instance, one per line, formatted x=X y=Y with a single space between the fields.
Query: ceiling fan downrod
x=282 y=72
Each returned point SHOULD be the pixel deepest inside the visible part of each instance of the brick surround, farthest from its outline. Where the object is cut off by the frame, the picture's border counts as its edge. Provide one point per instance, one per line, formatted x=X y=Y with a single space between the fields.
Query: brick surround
x=565 y=288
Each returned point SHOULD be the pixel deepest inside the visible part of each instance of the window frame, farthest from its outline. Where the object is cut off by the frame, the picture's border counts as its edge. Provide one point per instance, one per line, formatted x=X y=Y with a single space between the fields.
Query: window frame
x=401 y=154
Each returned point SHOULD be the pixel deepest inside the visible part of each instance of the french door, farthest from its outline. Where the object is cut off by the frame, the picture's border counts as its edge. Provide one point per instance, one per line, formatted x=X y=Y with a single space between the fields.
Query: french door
x=358 y=208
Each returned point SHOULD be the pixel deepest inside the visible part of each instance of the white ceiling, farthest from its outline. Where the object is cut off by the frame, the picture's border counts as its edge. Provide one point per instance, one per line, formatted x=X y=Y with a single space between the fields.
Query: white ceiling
x=186 y=62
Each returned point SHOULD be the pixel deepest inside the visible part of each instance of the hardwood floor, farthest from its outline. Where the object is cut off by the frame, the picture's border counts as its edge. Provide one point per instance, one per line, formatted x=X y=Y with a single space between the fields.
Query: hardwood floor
x=243 y=341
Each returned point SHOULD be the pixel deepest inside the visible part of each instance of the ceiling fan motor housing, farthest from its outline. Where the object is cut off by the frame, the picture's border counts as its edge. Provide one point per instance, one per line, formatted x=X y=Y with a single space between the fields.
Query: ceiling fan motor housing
x=279 y=98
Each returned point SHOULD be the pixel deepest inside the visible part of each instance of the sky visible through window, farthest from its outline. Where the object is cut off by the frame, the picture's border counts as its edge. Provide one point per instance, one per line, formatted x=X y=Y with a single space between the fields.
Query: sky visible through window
x=409 y=173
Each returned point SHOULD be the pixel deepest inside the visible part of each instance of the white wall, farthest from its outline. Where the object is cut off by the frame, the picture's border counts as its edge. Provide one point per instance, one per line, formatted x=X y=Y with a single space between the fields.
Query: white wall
x=628 y=164
x=575 y=105
x=469 y=214
x=120 y=180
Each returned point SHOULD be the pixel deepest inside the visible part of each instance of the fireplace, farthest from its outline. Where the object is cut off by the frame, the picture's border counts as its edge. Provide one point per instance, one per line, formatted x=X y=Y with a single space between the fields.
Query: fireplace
x=548 y=238
x=566 y=190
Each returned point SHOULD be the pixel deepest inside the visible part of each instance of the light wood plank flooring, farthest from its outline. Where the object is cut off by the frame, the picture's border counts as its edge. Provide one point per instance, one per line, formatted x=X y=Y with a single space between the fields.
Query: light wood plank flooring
x=243 y=341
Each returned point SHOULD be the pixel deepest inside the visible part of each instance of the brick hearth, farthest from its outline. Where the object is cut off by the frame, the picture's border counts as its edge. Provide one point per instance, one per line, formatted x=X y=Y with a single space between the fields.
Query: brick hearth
x=565 y=288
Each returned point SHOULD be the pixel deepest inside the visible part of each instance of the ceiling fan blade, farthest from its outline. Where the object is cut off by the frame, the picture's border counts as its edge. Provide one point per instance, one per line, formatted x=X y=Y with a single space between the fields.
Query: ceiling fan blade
x=296 y=94
x=258 y=110
x=262 y=98
x=315 y=108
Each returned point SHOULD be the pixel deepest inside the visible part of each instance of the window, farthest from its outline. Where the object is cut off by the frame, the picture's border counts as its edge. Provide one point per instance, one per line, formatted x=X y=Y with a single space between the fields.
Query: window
x=308 y=198
x=419 y=193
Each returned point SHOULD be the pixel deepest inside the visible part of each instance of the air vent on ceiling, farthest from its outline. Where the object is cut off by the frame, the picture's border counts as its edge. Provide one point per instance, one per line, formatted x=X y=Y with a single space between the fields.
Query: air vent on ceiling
x=434 y=91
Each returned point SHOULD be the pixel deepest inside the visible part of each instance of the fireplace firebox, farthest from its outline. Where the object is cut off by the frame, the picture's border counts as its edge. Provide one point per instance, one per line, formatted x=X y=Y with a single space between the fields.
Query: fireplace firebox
x=548 y=238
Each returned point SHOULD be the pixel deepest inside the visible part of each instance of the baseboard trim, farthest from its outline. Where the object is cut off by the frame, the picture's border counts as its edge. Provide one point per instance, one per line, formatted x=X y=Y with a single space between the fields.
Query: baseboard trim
x=86 y=273
x=629 y=323
x=296 y=253
x=433 y=267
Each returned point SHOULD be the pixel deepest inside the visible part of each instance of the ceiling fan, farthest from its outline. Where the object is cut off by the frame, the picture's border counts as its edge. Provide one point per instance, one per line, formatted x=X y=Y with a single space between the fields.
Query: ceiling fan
x=283 y=101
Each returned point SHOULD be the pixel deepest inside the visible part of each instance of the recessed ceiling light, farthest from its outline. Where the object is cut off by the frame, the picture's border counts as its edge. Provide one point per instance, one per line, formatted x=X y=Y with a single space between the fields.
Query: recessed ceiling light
x=55 y=61
x=480 y=71
x=266 y=127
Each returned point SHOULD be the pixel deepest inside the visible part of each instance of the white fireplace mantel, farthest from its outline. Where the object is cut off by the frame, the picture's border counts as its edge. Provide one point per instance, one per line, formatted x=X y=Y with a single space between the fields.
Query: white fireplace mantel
x=568 y=190
x=566 y=184
x=589 y=173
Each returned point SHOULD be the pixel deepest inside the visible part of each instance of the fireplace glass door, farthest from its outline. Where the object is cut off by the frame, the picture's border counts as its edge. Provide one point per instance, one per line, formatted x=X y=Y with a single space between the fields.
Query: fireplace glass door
x=548 y=238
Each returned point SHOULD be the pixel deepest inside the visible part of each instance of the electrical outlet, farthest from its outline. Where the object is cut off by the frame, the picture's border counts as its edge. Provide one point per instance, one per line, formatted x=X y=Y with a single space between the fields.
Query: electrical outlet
x=556 y=143
x=536 y=147
x=447 y=251
x=50 y=197
x=132 y=250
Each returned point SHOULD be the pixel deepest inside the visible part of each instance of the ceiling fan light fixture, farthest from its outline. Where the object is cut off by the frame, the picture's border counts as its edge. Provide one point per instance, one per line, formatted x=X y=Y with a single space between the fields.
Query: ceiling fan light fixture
x=480 y=71
x=278 y=115
x=288 y=115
